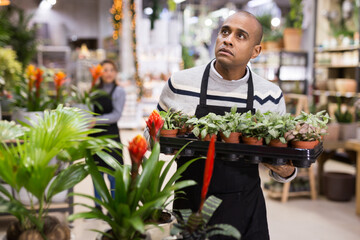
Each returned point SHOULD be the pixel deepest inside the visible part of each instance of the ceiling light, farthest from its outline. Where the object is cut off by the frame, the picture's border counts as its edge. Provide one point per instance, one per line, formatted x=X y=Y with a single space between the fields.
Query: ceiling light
x=4 y=2
x=208 y=22
x=275 y=22
x=148 y=11
x=179 y=1
x=45 y=5
x=256 y=3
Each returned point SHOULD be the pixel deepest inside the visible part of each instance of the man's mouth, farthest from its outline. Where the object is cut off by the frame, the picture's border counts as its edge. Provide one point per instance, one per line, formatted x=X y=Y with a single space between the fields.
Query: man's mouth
x=226 y=51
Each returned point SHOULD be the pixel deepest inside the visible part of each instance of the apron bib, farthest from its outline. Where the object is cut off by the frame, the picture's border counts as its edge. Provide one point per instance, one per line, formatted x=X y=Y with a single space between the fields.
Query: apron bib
x=236 y=183
x=110 y=129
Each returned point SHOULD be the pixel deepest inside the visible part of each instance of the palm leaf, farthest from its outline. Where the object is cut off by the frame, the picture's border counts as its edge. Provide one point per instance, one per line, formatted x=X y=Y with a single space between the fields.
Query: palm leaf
x=10 y=131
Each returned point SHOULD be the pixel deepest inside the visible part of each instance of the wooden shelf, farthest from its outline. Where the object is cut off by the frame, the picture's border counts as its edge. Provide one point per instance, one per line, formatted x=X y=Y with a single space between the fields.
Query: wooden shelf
x=291 y=194
x=335 y=66
x=337 y=49
x=283 y=51
x=336 y=94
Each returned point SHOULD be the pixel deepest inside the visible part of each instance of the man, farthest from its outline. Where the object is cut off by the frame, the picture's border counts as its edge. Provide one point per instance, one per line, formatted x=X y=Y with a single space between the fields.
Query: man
x=227 y=81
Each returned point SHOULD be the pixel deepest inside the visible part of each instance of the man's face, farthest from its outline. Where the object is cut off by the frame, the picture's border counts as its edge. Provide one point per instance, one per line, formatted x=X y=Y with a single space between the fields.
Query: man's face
x=237 y=40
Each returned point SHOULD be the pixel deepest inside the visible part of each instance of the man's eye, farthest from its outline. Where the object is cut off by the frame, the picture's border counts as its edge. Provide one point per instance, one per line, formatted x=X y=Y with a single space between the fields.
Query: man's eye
x=241 y=36
x=224 y=31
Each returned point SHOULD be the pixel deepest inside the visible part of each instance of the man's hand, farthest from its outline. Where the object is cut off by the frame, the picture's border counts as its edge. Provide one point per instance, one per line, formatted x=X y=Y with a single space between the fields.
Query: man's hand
x=283 y=171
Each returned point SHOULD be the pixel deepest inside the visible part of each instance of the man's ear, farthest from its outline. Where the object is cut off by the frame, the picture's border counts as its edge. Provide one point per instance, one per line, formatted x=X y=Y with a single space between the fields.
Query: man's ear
x=256 y=51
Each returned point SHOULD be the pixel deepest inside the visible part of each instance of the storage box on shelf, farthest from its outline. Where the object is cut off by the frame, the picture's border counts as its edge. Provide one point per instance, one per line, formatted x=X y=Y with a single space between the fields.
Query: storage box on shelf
x=280 y=66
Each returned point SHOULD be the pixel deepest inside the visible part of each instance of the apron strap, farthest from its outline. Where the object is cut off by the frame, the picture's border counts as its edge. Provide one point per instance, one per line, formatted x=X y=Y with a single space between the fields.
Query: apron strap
x=204 y=86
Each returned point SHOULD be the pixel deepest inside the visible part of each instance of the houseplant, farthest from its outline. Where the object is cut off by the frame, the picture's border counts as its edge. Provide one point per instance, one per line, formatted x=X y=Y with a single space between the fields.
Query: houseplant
x=271 y=36
x=346 y=122
x=309 y=130
x=170 y=126
x=194 y=225
x=293 y=31
x=230 y=132
x=139 y=197
x=60 y=132
x=252 y=128
x=206 y=126
x=277 y=126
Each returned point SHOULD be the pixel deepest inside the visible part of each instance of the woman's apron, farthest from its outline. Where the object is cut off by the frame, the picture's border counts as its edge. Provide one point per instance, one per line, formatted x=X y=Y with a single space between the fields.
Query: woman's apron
x=110 y=129
x=236 y=183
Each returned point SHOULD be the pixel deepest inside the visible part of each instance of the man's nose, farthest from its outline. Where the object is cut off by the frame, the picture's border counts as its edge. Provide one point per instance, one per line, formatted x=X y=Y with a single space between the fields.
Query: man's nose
x=228 y=40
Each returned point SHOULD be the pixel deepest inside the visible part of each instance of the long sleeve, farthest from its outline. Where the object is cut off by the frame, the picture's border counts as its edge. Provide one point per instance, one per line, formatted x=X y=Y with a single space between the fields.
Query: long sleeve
x=118 y=102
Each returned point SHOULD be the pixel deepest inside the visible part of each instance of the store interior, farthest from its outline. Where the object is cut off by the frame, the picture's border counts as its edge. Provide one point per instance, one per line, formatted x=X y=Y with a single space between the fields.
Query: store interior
x=310 y=49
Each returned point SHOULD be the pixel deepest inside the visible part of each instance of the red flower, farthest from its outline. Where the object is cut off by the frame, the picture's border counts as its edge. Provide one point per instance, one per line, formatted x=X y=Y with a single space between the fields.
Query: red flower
x=96 y=72
x=38 y=79
x=154 y=123
x=209 y=166
x=137 y=149
x=59 y=80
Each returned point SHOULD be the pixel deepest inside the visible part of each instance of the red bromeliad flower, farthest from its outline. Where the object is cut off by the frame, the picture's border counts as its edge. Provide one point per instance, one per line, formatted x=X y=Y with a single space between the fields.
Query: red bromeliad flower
x=137 y=149
x=96 y=72
x=209 y=166
x=154 y=123
x=59 y=80
x=38 y=79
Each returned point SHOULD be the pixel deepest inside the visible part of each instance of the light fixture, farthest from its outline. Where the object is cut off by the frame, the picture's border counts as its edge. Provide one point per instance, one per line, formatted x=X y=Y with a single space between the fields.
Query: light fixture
x=179 y=1
x=275 y=22
x=47 y=4
x=256 y=3
x=4 y=2
x=148 y=11
x=208 y=22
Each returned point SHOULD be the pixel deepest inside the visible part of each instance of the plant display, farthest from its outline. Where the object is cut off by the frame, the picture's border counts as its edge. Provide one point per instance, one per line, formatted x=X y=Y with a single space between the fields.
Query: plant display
x=140 y=197
x=231 y=122
x=278 y=125
x=61 y=132
x=194 y=226
x=309 y=127
x=209 y=124
x=253 y=125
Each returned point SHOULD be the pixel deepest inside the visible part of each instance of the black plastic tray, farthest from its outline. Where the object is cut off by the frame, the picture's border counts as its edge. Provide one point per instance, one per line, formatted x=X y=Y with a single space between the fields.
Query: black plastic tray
x=302 y=158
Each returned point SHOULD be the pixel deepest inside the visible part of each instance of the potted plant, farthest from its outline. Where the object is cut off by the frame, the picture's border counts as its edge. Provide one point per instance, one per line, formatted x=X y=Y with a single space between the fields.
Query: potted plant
x=206 y=126
x=60 y=132
x=346 y=122
x=252 y=128
x=309 y=130
x=271 y=36
x=230 y=132
x=181 y=119
x=277 y=126
x=293 y=31
x=170 y=127
x=140 y=197
x=194 y=225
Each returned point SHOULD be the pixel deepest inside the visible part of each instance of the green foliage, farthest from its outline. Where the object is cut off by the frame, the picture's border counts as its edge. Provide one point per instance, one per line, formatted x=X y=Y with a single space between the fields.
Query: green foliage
x=188 y=60
x=269 y=34
x=15 y=31
x=63 y=130
x=231 y=121
x=10 y=131
x=253 y=125
x=309 y=127
x=295 y=17
x=343 y=117
x=194 y=226
x=10 y=68
x=278 y=125
x=209 y=124
x=138 y=201
x=170 y=119
x=78 y=96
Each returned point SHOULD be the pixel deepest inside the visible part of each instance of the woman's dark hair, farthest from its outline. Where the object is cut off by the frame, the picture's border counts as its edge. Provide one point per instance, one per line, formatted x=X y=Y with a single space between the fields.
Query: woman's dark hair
x=106 y=61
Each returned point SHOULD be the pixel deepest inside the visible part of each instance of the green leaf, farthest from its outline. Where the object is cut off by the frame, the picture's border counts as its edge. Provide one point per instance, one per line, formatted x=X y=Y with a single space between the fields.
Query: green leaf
x=210 y=206
x=224 y=230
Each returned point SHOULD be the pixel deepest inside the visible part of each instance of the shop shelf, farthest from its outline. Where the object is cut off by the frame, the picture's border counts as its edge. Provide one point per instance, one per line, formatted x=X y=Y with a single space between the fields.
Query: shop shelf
x=302 y=158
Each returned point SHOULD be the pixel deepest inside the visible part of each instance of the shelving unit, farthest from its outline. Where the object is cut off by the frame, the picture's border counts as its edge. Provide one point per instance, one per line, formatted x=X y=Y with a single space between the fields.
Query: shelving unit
x=279 y=66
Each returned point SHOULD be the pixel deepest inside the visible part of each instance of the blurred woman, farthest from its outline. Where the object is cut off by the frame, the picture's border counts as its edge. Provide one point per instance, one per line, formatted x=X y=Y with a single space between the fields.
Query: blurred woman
x=112 y=105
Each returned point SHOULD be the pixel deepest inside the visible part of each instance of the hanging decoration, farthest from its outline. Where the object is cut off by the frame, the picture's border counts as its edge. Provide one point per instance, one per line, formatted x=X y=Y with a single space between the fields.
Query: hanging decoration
x=138 y=80
x=117 y=16
x=4 y=2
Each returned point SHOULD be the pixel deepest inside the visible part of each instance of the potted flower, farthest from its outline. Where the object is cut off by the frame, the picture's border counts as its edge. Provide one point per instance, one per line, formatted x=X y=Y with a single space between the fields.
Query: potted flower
x=206 y=126
x=252 y=128
x=59 y=80
x=170 y=127
x=309 y=130
x=277 y=126
x=230 y=132
x=140 y=197
x=60 y=132
x=194 y=225
x=293 y=31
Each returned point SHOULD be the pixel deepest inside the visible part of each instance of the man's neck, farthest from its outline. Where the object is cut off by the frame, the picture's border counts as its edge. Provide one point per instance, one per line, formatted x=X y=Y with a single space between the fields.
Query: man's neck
x=230 y=73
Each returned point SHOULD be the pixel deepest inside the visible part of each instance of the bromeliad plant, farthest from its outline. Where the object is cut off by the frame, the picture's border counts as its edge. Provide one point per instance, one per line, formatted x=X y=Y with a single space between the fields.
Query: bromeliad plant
x=194 y=226
x=59 y=80
x=309 y=127
x=140 y=197
x=27 y=165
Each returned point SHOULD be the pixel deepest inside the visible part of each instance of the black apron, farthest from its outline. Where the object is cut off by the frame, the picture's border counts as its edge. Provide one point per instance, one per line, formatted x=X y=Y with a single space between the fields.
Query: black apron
x=110 y=129
x=236 y=183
